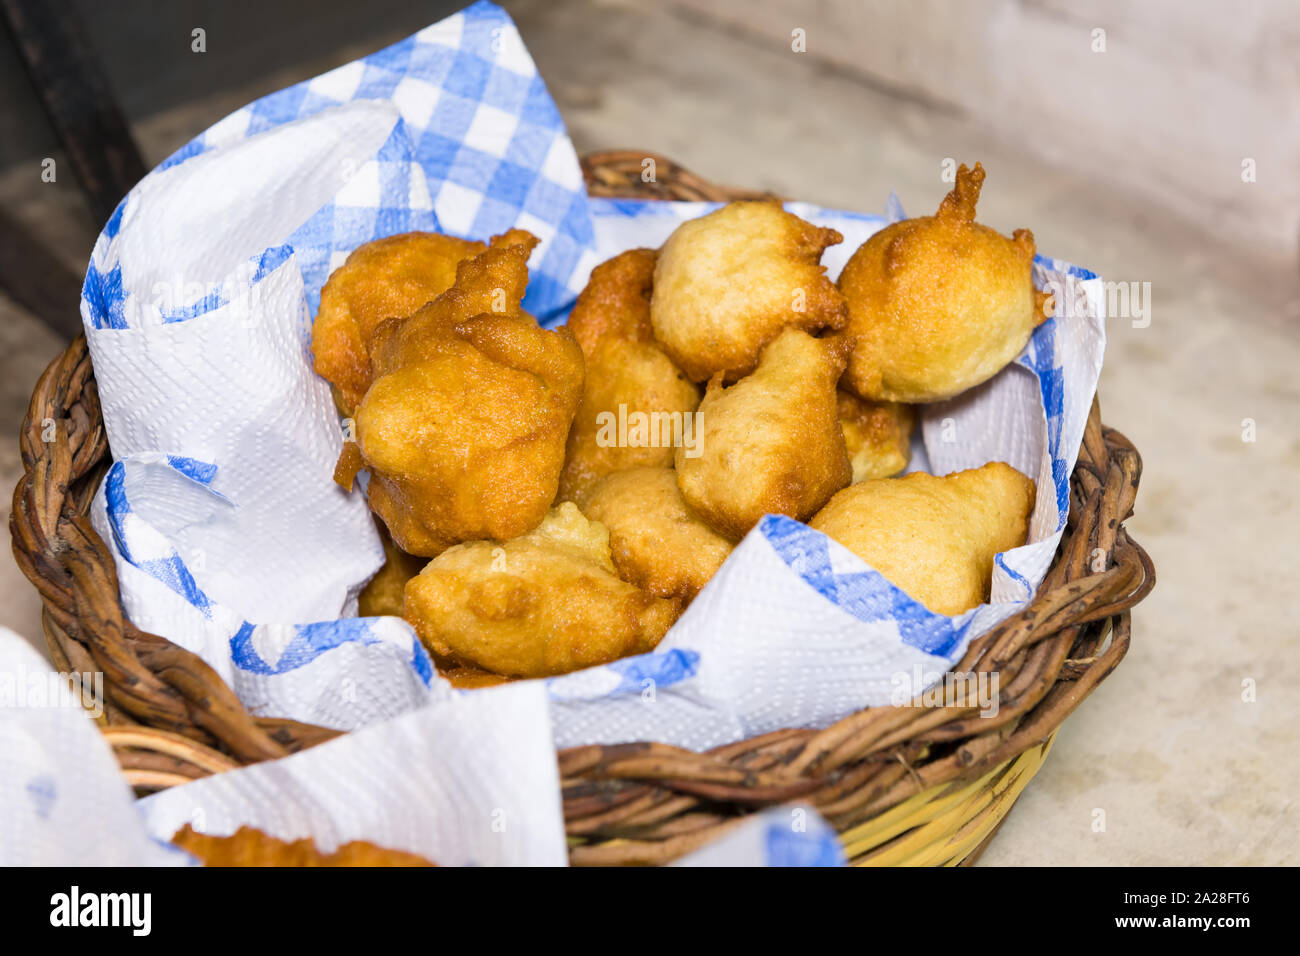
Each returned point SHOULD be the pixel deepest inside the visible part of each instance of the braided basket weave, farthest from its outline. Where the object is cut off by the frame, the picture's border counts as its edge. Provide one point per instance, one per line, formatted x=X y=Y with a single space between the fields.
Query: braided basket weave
x=916 y=785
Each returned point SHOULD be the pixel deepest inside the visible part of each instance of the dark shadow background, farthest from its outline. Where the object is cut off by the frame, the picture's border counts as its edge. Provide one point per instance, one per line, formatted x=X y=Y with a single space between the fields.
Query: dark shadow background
x=145 y=51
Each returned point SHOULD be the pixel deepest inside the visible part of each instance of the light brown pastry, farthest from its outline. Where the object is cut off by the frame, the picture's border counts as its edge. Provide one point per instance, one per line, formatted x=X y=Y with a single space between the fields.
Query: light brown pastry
x=464 y=677
x=251 y=847
x=726 y=284
x=615 y=304
x=636 y=404
x=878 y=435
x=935 y=538
x=656 y=541
x=547 y=602
x=383 y=594
x=383 y=279
x=771 y=443
x=938 y=304
x=463 y=428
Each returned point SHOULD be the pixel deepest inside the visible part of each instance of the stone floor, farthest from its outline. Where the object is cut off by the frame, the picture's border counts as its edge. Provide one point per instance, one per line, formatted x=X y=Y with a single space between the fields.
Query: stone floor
x=1185 y=770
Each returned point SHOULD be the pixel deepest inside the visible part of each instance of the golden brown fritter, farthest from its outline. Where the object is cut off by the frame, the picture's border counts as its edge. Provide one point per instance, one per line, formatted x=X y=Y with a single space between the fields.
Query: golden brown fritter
x=636 y=407
x=471 y=678
x=656 y=541
x=491 y=283
x=464 y=426
x=616 y=302
x=251 y=847
x=726 y=284
x=878 y=435
x=635 y=401
x=771 y=443
x=547 y=602
x=935 y=538
x=386 y=278
x=938 y=304
x=383 y=594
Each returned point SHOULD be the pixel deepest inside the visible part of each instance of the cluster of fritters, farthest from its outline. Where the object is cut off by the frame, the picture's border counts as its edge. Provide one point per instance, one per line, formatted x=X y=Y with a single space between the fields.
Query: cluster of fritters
x=554 y=499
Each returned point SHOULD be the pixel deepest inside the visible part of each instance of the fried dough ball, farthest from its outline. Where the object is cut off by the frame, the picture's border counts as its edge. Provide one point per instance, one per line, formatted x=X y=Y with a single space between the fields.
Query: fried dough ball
x=491 y=283
x=616 y=302
x=545 y=603
x=472 y=678
x=656 y=541
x=635 y=401
x=727 y=283
x=878 y=435
x=464 y=427
x=938 y=304
x=636 y=408
x=248 y=846
x=386 y=278
x=771 y=443
x=935 y=538
x=383 y=594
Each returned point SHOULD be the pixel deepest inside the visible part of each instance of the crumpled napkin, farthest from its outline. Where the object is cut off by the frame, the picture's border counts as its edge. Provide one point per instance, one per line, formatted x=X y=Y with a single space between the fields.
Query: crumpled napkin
x=63 y=801
x=468 y=780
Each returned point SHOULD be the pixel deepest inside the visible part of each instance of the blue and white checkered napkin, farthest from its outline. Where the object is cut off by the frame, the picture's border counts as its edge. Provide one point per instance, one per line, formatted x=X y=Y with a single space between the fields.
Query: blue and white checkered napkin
x=472 y=145
x=229 y=534
x=231 y=539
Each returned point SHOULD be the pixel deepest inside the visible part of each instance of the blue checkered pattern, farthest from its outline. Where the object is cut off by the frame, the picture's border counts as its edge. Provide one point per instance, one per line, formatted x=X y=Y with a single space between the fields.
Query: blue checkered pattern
x=816 y=846
x=861 y=592
x=144 y=547
x=1040 y=357
x=791 y=835
x=140 y=544
x=388 y=195
x=630 y=675
x=481 y=148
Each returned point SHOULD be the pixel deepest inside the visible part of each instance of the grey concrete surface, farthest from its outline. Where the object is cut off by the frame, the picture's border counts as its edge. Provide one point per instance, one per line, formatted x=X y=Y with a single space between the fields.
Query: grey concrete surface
x=1183 y=768
x=1170 y=96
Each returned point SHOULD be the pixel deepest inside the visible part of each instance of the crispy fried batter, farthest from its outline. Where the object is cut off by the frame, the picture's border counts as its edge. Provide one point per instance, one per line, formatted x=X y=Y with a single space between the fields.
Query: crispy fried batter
x=383 y=594
x=726 y=284
x=386 y=278
x=545 y=603
x=629 y=379
x=492 y=282
x=464 y=426
x=250 y=847
x=635 y=407
x=472 y=678
x=878 y=435
x=935 y=538
x=938 y=304
x=616 y=302
x=771 y=443
x=656 y=541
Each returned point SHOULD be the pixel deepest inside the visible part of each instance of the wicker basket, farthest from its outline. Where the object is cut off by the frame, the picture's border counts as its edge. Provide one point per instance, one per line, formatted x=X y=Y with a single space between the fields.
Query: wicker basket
x=902 y=785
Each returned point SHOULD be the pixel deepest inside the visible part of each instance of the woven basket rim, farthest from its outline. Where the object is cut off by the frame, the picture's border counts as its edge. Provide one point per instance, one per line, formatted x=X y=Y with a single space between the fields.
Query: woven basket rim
x=171 y=719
